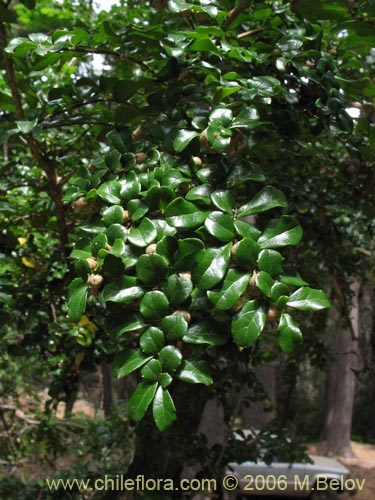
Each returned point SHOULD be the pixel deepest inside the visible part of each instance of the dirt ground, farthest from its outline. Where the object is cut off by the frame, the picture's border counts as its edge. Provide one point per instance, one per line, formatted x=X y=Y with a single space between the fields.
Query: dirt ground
x=362 y=468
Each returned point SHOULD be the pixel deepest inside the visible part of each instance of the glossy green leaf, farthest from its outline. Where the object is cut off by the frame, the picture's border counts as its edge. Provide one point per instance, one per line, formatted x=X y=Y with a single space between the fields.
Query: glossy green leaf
x=248 y=325
x=308 y=299
x=128 y=361
x=246 y=252
x=212 y=264
x=142 y=235
x=152 y=370
x=223 y=200
x=264 y=282
x=126 y=289
x=177 y=288
x=290 y=334
x=222 y=116
x=26 y=126
x=154 y=305
x=266 y=199
x=207 y=332
x=219 y=137
x=187 y=249
x=174 y=326
x=293 y=280
x=247 y=230
x=100 y=241
x=279 y=290
x=281 y=232
x=115 y=232
x=110 y=192
x=163 y=409
x=152 y=340
x=151 y=269
x=220 y=225
x=170 y=358
x=195 y=372
x=184 y=214
x=183 y=139
x=77 y=299
x=141 y=399
x=270 y=261
x=234 y=286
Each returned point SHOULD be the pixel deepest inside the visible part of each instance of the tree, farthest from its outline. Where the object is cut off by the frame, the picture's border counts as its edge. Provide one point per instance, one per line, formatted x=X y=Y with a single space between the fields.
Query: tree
x=180 y=252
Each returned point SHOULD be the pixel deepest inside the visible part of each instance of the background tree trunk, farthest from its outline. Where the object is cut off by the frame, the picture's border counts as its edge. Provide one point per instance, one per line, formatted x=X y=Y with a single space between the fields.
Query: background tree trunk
x=340 y=385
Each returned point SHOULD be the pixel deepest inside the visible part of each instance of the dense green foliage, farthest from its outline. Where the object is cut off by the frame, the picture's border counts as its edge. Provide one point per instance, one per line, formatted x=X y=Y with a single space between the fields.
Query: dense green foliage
x=167 y=191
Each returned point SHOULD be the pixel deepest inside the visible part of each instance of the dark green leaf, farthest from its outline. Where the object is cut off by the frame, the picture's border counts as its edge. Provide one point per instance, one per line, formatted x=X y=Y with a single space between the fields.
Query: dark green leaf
x=308 y=299
x=212 y=264
x=234 y=286
x=290 y=335
x=110 y=192
x=195 y=372
x=220 y=225
x=183 y=139
x=270 y=261
x=183 y=214
x=264 y=282
x=207 y=332
x=128 y=361
x=177 y=288
x=144 y=234
x=77 y=300
x=152 y=340
x=246 y=252
x=170 y=357
x=281 y=232
x=174 y=326
x=248 y=324
x=152 y=269
x=123 y=290
x=141 y=399
x=224 y=200
x=266 y=199
x=154 y=305
x=163 y=409
x=152 y=370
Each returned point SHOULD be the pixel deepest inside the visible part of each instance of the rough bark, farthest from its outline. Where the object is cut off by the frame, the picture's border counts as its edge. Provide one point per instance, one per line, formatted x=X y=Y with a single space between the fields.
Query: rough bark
x=341 y=373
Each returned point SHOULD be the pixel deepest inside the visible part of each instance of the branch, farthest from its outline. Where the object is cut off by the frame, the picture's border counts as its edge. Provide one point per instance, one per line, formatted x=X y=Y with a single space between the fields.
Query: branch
x=233 y=14
x=46 y=164
x=249 y=33
x=106 y=52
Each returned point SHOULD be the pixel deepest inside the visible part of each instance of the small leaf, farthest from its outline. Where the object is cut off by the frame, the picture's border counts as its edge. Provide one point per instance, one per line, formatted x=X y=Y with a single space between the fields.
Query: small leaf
x=141 y=399
x=123 y=290
x=264 y=282
x=170 y=357
x=110 y=192
x=281 y=232
x=248 y=325
x=290 y=334
x=144 y=234
x=154 y=305
x=308 y=299
x=174 y=326
x=183 y=139
x=266 y=199
x=195 y=372
x=177 y=288
x=220 y=225
x=183 y=214
x=152 y=269
x=77 y=300
x=26 y=126
x=113 y=215
x=128 y=361
x=152 y=341
x=212 y=264
x=207 y=332
x=224 y=201
x=152 y=370
x=270 y=261
x=233 y=287
x=246 y=252
x=163 y=409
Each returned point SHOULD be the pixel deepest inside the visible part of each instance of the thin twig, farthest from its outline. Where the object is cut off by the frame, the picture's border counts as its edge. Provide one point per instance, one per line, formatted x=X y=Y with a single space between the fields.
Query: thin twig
x=249 y=33
x=233 y=14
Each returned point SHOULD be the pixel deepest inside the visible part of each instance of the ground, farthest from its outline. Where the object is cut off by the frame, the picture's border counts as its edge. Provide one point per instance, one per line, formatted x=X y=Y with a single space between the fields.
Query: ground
x=361 y=468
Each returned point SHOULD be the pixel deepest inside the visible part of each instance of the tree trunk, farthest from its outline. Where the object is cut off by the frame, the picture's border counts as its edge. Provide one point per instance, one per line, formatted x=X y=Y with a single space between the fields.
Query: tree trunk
x=163 y=455
x=340 y=386
x=107 y=389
